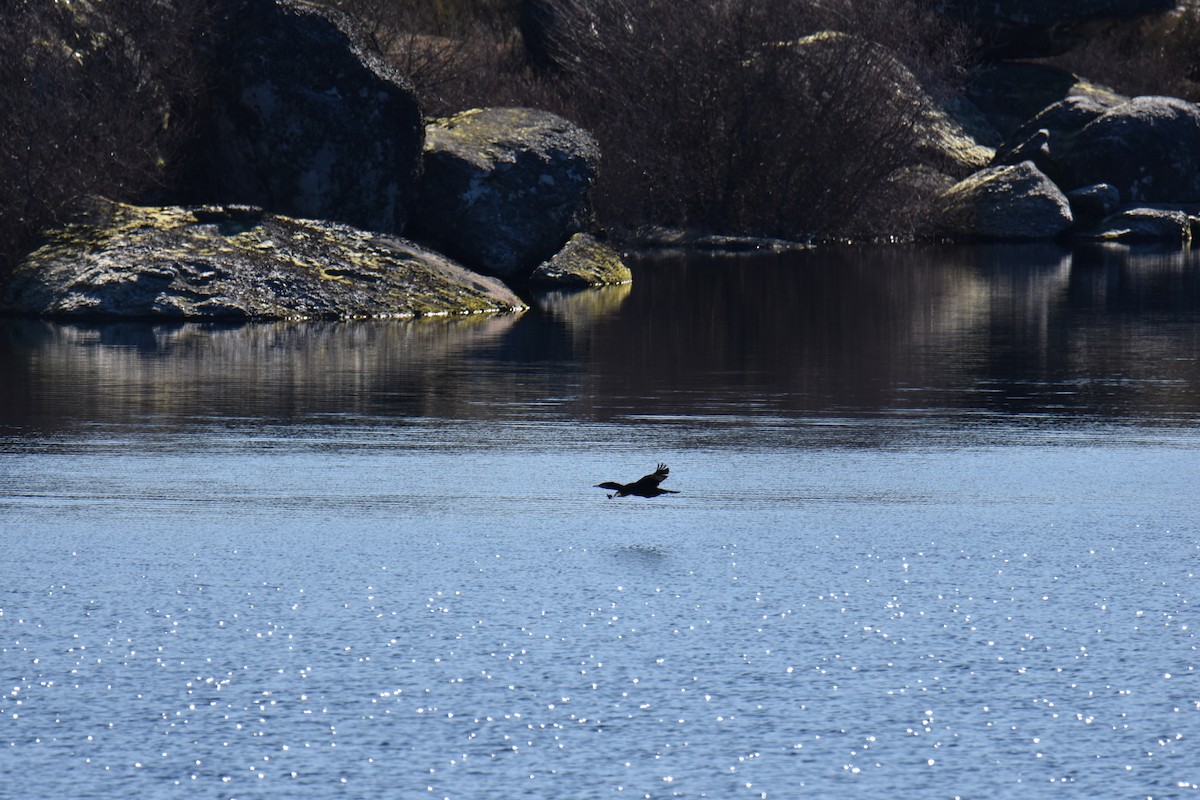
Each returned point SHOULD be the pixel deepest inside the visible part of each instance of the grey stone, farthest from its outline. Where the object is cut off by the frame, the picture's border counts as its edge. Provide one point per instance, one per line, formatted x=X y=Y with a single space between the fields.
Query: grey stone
x=504 y=188
x=1051 y=134
x=239 y=263
x=306 y=120
x=1015 y=202
x=1148 y=148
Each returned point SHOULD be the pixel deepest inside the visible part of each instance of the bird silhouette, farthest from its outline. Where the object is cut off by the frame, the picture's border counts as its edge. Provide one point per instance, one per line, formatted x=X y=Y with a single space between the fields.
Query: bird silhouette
x=646 y=486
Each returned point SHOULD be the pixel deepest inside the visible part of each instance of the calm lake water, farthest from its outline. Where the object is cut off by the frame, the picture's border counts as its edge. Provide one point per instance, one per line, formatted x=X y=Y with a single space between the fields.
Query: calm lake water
x=936 y=537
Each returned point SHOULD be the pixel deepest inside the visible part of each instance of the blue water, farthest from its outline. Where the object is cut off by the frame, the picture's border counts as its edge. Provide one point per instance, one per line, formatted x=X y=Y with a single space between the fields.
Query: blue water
x=935 y=538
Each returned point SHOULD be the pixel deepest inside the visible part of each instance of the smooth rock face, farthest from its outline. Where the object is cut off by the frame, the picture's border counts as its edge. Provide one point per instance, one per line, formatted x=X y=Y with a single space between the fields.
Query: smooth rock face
x=583 y=261
x=1015 y=202
x=307 y=121
x=1148 y=148
x=504 y=188
x=238 y=262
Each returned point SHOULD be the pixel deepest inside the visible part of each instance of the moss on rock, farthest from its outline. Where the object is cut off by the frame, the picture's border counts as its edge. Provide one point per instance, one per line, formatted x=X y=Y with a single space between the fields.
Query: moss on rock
x=583 y=261
x=239 y=262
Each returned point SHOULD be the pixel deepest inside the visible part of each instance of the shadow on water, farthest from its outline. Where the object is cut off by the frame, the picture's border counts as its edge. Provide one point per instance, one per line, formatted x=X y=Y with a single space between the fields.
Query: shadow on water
x=641 y=553
x=831 y=332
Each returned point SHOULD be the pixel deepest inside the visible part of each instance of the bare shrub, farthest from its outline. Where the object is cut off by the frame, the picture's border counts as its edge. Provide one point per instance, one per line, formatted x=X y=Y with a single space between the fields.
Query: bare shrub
x=458 y=53
x=440 y=17
x=95 y=101
x=1157 y=55
x=722 y=114
x=750 y=117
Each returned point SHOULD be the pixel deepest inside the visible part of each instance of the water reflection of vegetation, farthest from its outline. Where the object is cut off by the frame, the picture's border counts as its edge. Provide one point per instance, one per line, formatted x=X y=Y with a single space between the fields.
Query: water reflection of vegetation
x=1006 y=329
x=1030 y=330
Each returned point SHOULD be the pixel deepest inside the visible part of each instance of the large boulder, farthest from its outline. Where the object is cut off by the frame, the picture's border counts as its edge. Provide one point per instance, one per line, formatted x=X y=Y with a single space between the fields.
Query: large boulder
x=1014 y=202
x=1148 y=148
x=504 y=188
x=1051 y=131
x=1037 y=28
x=239 y=262
x=307 y=120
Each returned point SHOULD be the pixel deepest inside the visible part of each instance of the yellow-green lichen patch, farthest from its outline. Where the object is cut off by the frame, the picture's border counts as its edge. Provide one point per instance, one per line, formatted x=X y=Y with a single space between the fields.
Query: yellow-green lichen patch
x=189 y=263
x=583 y=261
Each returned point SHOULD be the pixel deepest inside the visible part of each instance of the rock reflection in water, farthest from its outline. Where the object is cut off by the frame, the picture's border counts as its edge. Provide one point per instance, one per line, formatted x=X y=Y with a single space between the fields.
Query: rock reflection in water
x=1032 y=329
x=582 y=306
x=274 y=370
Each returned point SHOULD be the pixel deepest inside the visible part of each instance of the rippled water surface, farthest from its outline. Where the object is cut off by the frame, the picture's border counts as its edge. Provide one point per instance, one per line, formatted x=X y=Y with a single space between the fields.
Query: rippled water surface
x=936 y=537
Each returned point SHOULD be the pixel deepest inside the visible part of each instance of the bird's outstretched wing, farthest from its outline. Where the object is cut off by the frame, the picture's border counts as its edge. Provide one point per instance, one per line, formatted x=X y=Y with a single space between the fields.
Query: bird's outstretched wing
x=655 y=478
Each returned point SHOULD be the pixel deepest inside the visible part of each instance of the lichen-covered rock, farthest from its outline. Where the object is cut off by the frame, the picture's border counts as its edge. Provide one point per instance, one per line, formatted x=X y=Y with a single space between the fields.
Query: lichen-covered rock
x=583 y=261
x=242 y=263
x=1148 y=148
x=1013 y=202
x=504 y=188
x=1168 y=226
x=306 y=120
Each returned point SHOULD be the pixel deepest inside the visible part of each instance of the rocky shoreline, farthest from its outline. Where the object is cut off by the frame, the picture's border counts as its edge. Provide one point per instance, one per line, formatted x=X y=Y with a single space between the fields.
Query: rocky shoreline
x=321 y=191
x=1123 y=171
x=240 y=262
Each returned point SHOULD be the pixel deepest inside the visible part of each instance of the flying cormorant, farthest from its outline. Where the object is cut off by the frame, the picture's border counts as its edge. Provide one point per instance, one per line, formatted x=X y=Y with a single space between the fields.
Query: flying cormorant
x=647 y=486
